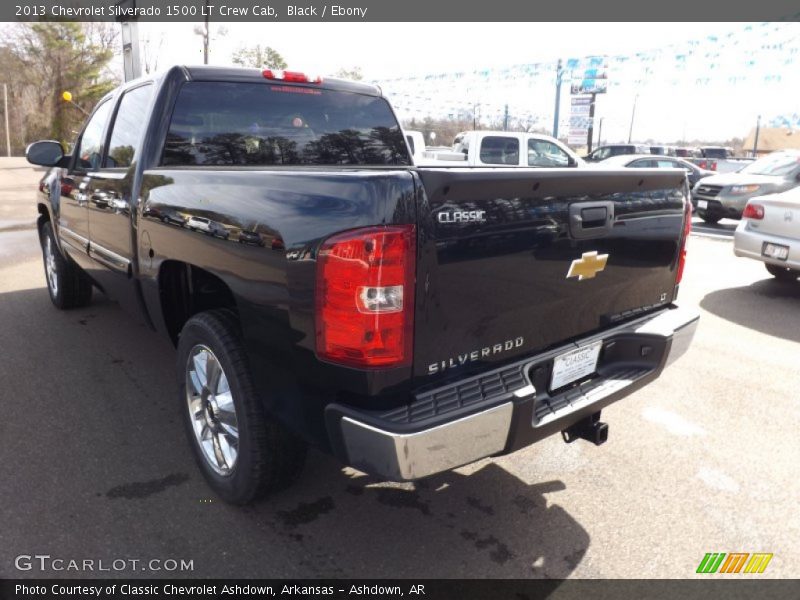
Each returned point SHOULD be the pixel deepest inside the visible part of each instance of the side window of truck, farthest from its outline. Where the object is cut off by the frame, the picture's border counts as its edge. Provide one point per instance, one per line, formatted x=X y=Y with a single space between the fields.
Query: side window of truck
x=90 y=147
x=410 y=141
x=497 y=150
x=128 y=127
x=542 y=153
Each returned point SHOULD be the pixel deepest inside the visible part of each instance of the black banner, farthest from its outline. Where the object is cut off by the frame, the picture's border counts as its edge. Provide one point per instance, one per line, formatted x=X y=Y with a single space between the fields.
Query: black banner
x=428 y=589
x=403 y=11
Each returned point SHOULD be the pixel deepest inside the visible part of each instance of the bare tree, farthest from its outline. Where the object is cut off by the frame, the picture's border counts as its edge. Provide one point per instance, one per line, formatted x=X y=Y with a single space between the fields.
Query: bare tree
x=353 y=74
x=150 y=52
x=259 y=57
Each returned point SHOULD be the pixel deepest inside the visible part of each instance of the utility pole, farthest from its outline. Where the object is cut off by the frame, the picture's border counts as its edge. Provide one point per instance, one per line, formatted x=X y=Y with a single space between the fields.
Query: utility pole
x=131 y=63
x=590 y=131
x=205 y=36
x=5 y=112
x=755 y=142
x=505 y=119
x=600 y=133
x=559 y=76
x=633 y=114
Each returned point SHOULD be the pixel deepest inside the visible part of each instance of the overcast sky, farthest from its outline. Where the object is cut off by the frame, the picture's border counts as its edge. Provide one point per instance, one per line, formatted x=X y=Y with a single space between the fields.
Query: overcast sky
x=386 y=50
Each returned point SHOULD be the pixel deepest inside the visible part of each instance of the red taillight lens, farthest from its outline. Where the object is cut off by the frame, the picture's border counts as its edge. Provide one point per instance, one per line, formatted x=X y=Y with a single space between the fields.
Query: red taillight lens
x=365 y=297
x=753 y=211
x=290 y=76
x=687 y=229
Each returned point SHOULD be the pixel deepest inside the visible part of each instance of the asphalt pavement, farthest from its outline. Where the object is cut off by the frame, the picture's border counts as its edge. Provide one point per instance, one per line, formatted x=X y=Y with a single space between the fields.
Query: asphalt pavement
x=94 y=464
x=723 y=229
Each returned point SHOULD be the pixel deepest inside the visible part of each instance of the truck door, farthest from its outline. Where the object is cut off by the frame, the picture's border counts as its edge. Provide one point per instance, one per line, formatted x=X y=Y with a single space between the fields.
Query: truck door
x=110 y=205
x=73 y=218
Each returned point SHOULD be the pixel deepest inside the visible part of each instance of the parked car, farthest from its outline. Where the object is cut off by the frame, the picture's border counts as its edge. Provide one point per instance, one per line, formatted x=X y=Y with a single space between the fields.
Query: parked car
x=646 y=161
x=604 y=152
x=250 y=237
x=687 y=152
x=406 y=319
x=725 y=196
x=502 y=148
x=718 y=152
x=662 y=150
x=770 y=232
x=720 y=159
x=208 y=226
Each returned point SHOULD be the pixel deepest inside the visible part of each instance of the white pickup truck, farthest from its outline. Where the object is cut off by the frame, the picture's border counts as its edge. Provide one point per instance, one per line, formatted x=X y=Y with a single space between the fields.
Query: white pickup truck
x=502 y=148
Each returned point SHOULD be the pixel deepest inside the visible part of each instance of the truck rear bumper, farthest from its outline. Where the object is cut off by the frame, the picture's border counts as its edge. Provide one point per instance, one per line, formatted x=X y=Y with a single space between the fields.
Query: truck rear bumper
x=505 y=409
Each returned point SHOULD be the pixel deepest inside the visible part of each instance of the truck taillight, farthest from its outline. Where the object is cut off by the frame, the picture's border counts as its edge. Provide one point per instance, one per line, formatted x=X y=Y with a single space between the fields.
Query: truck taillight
x=687 y=229
x=753 y=211
x=365 y=297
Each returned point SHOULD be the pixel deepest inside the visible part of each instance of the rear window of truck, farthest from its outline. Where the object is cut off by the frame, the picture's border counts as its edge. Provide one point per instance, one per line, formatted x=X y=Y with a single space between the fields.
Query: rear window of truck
x=262 y=124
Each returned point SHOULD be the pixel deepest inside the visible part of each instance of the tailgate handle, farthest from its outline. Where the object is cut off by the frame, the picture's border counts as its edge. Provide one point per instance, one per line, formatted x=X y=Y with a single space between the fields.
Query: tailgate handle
x=591 y=219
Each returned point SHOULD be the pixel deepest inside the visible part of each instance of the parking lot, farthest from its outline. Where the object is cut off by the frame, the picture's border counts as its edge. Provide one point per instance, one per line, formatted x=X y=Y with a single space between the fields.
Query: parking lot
x=95 y=464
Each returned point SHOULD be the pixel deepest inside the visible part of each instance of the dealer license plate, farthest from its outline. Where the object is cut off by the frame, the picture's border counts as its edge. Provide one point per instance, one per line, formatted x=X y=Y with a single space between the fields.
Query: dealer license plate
x=575 y=364
x=775 y=251
x=702 y=204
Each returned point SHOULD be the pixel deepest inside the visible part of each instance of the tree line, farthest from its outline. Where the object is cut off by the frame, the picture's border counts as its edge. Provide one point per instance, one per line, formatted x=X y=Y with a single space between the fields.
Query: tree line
x=39 y=61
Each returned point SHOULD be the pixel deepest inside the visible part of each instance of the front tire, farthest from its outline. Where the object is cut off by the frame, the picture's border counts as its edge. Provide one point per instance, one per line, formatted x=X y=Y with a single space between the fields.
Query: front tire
x=69 y=287
x=242 y=453
x=782 y=273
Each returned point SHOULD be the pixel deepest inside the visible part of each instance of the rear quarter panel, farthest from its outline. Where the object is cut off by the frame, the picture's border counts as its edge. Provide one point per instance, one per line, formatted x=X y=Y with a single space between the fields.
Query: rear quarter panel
x=271 y=269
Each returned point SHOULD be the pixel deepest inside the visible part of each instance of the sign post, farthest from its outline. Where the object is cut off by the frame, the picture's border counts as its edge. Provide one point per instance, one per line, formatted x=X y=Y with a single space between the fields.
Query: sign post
x=589 y=77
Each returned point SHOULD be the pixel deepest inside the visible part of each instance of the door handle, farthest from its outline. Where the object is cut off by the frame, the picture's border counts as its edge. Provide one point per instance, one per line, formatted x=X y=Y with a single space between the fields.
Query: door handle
x=591 y=219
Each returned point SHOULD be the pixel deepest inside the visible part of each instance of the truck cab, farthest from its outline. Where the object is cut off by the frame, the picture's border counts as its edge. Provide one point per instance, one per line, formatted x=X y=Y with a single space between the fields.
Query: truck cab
x=504 y=149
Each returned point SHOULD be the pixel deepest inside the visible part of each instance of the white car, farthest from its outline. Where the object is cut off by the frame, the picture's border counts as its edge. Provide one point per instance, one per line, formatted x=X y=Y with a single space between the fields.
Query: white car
x=770 y=232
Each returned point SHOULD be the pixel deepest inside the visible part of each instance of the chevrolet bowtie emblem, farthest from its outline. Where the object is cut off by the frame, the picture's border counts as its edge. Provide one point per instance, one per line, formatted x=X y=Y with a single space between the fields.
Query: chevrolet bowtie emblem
x=587 y=266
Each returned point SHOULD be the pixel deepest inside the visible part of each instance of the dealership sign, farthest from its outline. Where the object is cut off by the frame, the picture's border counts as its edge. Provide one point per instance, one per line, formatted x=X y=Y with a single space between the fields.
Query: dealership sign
x=579 y=120
x=588 y=75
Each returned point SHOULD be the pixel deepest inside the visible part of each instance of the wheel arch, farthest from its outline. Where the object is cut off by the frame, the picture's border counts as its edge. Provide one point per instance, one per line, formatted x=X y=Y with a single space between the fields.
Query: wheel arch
x=186 y=290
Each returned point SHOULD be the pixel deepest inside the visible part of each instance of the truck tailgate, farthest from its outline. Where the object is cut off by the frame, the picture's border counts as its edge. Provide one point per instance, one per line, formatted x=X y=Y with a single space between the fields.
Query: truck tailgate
x=513 y=261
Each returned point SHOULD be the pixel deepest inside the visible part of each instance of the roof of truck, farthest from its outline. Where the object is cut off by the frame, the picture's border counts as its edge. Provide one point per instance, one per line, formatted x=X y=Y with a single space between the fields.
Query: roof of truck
x=209 y=73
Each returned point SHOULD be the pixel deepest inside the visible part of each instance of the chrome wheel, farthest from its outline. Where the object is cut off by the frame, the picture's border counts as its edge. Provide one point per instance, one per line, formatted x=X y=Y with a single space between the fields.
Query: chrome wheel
x=50 y=265
x=211 y=410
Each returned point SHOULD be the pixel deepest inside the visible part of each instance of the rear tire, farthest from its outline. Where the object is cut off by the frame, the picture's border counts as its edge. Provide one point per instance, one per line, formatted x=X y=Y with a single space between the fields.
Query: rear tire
x=69 y=287
x=782 y=273
x=709 y=219
x=242 y=452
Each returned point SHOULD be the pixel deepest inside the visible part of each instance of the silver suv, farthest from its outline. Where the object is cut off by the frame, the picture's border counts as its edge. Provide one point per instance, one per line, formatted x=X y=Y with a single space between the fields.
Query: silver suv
x=725 y=196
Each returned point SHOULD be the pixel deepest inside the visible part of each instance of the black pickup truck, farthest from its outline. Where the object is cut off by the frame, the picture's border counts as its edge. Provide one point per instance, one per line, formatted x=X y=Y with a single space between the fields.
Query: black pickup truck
x=321 y=289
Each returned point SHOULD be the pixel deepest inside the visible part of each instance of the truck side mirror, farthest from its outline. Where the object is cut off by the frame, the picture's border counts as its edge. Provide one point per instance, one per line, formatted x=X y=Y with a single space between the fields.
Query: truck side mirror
x=46 y=153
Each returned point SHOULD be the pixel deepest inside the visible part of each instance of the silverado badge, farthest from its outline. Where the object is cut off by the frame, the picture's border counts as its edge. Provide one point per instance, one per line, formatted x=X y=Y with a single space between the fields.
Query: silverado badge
x=587 y=266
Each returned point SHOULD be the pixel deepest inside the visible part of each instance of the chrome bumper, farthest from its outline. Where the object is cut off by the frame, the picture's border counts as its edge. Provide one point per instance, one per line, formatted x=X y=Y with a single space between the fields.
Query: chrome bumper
x=405 y=457
x=748 y=243
x=410 y=456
